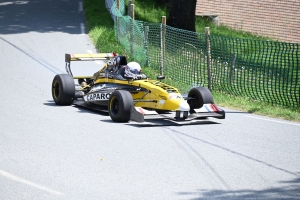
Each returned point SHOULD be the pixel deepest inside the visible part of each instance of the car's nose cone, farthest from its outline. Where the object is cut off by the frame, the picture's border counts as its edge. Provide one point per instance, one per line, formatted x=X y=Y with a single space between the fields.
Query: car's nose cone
x=184 y=106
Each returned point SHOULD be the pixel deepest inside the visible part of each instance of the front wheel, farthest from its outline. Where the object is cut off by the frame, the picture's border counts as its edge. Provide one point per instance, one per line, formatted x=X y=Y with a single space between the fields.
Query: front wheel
x=119 y=106
x=198 y=97
x=63 y=89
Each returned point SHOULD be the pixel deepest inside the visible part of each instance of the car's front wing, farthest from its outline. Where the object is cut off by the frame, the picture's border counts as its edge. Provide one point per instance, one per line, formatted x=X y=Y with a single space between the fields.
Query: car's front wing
x=139 y=114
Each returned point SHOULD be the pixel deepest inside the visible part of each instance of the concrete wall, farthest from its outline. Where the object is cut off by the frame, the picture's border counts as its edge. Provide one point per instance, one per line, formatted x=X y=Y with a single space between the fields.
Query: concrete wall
x=277 y=19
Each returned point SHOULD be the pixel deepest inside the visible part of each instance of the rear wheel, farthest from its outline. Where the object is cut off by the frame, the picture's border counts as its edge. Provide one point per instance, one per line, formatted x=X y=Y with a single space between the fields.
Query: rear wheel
x=200 y=96
x=120 y=104
x=63 y=89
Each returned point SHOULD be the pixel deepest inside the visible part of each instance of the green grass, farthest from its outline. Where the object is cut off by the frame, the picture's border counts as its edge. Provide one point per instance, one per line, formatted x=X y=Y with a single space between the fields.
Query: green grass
x=201 y=23
x=257 y=107
x=146 y=11
x=100 y=28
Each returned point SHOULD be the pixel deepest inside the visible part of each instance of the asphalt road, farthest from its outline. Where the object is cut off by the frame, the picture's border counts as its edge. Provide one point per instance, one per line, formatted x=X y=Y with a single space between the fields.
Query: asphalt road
x=52 y=152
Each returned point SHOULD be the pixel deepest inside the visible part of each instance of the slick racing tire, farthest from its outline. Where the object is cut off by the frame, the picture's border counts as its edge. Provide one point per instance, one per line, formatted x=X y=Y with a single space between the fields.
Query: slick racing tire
x=119 y=106
x=199 y=96
x=63 y=89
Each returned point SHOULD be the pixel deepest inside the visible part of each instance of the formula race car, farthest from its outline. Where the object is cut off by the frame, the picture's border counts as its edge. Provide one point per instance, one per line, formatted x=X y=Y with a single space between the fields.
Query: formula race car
x=127 y=94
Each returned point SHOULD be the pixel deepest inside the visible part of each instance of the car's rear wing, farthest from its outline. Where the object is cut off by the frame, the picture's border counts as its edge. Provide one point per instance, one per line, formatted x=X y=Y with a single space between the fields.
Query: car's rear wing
x=86 y=57
x=89 y=57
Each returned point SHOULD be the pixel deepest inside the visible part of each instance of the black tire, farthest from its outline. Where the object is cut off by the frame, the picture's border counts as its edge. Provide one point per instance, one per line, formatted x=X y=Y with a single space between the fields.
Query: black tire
x=200 y=95
x=63 y=89
x=119 y=106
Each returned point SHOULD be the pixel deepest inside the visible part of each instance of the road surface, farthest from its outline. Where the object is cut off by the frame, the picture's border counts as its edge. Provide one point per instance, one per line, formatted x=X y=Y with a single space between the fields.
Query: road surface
x=53 y=152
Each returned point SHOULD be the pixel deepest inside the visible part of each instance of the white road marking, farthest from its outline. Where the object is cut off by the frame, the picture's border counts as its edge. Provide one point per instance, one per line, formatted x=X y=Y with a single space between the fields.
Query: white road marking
x=6 y=3
x=271 y=120
x=82 y=27
x=17 y=2
x=35 y=185
x=80 y=8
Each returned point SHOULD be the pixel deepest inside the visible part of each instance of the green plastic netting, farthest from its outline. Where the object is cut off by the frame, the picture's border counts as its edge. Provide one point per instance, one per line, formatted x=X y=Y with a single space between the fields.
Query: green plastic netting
x=261 y=70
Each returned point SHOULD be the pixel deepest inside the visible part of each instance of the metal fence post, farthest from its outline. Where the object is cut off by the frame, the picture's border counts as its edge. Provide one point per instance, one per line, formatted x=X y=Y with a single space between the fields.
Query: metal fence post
x=162 y=44
x=208 y=57
x=146 y=34
x=131 y=27
x=118 y=20
x=129 y=8
x=232 y=69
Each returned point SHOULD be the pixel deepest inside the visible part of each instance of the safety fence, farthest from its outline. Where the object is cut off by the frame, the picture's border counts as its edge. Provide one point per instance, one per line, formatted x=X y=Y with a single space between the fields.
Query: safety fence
x=261 y=70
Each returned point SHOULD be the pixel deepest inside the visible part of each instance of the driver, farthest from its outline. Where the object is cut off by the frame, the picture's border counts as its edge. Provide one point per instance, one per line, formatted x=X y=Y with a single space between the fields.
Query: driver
x=133 y=70
x=118 y=68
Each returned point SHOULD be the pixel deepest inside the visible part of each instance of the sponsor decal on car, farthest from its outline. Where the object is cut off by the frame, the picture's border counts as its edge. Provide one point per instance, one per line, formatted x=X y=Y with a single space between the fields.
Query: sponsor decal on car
x=98 y=87
x=97 y=97
x=175 y=96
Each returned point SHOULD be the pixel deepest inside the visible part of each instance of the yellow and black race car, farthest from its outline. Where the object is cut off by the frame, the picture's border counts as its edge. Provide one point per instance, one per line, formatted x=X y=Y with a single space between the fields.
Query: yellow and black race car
x=127 y=94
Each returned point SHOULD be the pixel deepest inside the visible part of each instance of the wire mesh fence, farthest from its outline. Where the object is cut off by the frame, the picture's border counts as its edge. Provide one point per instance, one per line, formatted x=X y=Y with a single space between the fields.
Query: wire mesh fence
x=261 y=70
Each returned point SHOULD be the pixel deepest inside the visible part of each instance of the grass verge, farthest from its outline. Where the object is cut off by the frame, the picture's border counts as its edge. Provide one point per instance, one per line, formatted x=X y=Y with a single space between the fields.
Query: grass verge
x=100 y=28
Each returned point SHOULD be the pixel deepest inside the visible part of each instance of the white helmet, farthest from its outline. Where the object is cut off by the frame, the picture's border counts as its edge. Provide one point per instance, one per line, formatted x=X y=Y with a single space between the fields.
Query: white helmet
x=132 y=70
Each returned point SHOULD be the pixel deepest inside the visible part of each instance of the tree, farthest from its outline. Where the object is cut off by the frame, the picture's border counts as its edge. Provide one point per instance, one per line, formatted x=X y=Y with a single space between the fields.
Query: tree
x=182 y=14
x=161 y=3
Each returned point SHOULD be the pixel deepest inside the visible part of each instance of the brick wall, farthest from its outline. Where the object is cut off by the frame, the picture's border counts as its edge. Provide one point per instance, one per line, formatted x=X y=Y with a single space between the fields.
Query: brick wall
x=277 y=19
